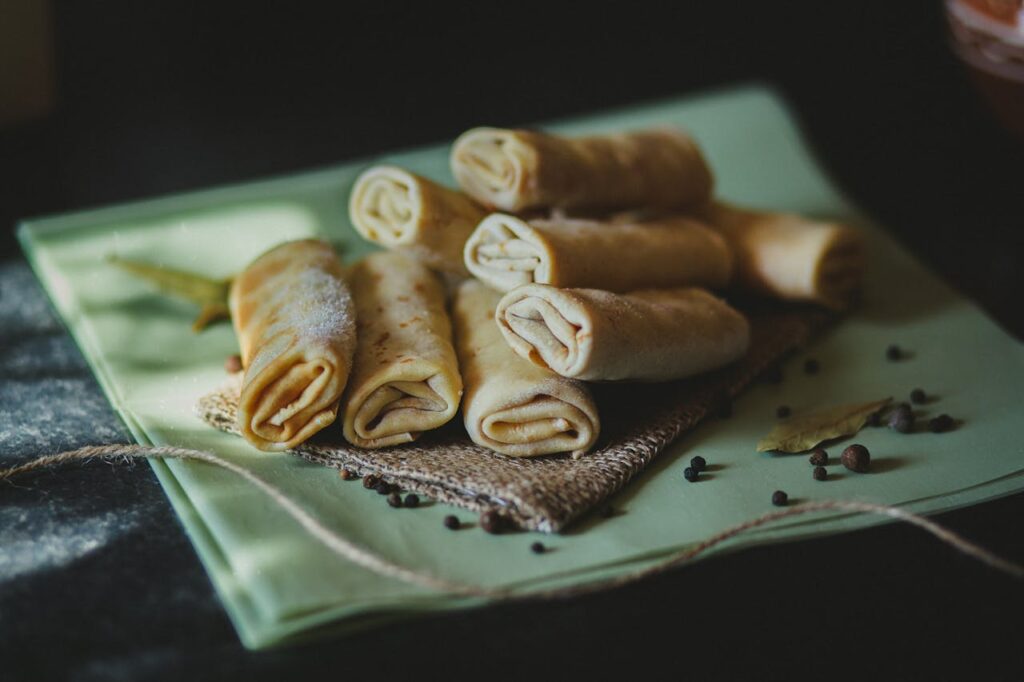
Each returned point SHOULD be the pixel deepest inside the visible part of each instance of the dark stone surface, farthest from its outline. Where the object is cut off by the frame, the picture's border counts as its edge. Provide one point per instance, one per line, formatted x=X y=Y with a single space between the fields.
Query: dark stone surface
x=97 y=579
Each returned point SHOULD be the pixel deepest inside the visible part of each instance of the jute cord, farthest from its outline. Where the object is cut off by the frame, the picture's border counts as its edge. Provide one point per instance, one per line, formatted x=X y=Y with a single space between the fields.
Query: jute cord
x=381 y=566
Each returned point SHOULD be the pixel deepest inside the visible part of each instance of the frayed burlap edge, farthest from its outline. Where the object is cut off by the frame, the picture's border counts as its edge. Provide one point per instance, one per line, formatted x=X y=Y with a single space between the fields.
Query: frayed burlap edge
x=547 y=493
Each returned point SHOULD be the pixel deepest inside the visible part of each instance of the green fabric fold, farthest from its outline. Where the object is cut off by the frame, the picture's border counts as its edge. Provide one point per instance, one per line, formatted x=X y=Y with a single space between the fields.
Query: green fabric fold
x=279 y=585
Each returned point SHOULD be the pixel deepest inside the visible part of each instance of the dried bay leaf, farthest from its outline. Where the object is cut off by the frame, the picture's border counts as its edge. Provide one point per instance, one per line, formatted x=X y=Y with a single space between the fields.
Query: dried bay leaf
x=803 y=432
x=210 y=294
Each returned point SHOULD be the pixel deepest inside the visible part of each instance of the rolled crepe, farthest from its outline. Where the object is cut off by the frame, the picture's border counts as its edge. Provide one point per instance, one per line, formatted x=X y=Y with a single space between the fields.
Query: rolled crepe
x=506 y=252
x=510 y=405
x=405 y=378
x=517 y=170
x=651 y=335
x=295 y=323
x=790 y=257
x=399 y=210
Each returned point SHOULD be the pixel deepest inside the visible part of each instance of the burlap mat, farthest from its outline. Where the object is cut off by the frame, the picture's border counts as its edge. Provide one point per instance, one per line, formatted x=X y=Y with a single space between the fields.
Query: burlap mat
x=547 y=493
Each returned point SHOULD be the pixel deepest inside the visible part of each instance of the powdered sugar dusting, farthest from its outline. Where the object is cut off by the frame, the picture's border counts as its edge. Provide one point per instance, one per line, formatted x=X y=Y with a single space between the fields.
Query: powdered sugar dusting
x=330 y=309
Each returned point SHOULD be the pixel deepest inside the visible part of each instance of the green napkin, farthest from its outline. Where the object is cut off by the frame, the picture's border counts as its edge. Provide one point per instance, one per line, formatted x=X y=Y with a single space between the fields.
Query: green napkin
x=279 y=584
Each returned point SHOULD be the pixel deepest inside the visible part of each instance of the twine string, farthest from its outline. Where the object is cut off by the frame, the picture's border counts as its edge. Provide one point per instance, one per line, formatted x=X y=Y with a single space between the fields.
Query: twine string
x=371 y=561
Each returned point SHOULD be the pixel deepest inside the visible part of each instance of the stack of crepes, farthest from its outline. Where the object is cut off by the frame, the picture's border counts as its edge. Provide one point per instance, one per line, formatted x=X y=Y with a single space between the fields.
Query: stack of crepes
x=568 y=261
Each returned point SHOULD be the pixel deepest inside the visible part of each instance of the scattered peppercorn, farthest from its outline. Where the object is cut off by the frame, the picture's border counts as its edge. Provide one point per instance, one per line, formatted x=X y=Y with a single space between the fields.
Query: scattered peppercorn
x=347 y=474
x=820 y=474
x=941 y=423
x=451 y=522
x=233 y=364
x=370 y=481
x=491 y=521
x=819 y=458
x=412 y=500
x=917 y=396
x=698 y=463
x=538 y=548
x=383 y=488
x=811 y=366
x=691 y=474
x=856 y=458
x=894 y=353
x=779 y=498
x=902 y=419
x=395 y=500
x=782 y=411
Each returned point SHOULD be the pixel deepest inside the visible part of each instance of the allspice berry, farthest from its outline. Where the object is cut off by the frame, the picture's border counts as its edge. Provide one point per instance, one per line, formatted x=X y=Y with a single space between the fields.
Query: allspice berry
x=819 y=457
x=856 y=458
x=820 y=474
x=233 y=364
x=491 y=521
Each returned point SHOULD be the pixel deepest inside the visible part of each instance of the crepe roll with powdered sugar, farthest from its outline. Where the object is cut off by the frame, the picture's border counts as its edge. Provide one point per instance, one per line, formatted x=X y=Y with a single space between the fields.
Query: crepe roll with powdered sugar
x=295 y=323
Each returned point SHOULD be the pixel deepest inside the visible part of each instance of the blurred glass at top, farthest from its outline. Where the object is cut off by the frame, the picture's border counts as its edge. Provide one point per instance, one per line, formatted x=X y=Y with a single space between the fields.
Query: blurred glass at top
x=988 y=35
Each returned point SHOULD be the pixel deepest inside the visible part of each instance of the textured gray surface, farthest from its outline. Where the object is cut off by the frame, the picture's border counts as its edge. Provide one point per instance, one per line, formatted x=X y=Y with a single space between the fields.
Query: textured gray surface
x=78 y=546
x=48 y=402
x=66 y=410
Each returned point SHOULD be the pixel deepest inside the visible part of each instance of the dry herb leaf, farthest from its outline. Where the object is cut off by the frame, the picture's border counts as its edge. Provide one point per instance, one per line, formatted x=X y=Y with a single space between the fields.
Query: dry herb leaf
x=803 y=432
x=210 y=294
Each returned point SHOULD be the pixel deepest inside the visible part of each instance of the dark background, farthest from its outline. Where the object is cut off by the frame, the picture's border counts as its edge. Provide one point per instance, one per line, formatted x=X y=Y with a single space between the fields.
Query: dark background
x=160 y=97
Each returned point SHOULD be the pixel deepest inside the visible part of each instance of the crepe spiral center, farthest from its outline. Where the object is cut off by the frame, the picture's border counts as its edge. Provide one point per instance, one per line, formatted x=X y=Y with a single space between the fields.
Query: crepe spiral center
x=385 y=207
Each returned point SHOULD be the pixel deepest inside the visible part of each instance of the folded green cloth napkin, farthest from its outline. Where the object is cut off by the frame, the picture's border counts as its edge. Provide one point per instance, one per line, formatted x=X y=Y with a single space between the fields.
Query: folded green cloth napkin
x=278 y=584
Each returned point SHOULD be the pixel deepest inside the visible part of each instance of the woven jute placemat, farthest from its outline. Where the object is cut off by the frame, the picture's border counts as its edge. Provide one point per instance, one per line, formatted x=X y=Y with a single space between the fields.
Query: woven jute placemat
x=548 y=493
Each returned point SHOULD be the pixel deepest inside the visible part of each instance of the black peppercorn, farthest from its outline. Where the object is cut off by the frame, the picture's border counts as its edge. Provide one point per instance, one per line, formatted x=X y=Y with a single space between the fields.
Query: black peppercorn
x=698 y=463
x=412 y=500
x=894 y=352
x=451 y=522
x=917 y=396
x=902 y=419
x=782 y=411
x=691 y=474
x=941 y=423
x=383 y=488
x=779 y=498
x=820 y=474
x=856 y=458
x=538 y=548
x=491 y=521
x=370 y=481
x=811 y=366
x=819 y=458
x=395 y=500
